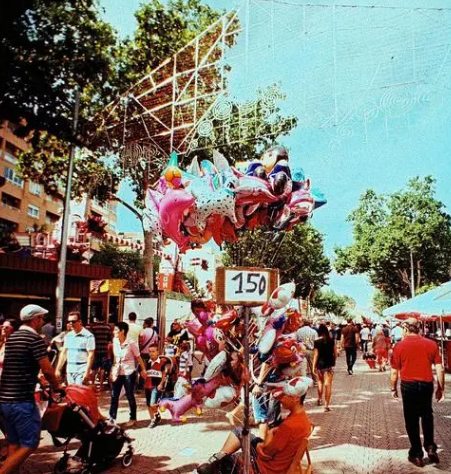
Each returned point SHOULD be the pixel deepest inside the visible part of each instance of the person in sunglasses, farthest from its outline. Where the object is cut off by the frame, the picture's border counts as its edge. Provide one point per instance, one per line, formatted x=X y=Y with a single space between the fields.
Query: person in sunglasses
x=78 y=351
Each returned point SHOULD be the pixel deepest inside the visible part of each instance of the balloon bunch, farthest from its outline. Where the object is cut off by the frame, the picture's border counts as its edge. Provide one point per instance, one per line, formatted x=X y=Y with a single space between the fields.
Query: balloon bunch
x=209 y=328
x=214 y=200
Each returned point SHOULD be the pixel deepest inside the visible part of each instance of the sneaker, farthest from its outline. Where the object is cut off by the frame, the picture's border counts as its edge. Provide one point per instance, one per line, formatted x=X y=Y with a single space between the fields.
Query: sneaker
x=211 y=466
x=416 y=461
x=432 y=455
x=129 y=424
x=155 y=422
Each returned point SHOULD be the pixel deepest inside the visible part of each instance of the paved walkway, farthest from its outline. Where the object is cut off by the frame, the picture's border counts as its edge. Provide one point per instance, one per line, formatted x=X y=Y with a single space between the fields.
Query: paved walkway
x=363 y=434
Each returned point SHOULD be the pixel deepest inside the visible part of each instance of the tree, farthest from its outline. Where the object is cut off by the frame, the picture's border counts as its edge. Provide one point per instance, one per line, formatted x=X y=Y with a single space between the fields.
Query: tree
x=381 y=301
x=328 y=302
x=49 y=47
x=299 y=255
x=127 y=265
x=390 y=230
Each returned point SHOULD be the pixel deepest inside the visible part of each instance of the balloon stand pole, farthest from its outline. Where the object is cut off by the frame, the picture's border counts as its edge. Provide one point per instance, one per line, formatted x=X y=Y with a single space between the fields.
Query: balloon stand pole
x=246 y=438
x=442 y=338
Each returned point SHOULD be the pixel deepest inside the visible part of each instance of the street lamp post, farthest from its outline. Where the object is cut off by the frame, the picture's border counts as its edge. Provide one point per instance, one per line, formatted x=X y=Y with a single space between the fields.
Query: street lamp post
x=412 y=276
x=60 y=286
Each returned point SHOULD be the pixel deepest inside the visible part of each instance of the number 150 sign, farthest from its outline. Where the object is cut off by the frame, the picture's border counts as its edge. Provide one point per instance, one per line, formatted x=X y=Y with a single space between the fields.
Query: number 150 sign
x=245 y=286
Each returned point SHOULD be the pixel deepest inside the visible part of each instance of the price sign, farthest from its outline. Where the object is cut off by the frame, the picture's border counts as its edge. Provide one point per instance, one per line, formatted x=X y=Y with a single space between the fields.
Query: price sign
x=245 y=286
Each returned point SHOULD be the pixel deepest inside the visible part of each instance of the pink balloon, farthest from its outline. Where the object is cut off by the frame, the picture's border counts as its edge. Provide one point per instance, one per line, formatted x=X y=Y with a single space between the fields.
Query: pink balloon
x=199 y=391
x=173 y=207
x=194 y=327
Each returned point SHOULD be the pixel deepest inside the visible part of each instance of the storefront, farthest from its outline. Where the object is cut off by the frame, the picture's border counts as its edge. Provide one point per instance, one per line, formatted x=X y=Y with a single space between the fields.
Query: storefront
x=25 y=280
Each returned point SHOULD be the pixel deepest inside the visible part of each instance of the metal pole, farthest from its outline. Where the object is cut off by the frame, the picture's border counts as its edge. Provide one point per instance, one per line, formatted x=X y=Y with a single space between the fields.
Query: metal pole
x=442 y=339
x=65 y=225
x=246 y=438
x=412 y=281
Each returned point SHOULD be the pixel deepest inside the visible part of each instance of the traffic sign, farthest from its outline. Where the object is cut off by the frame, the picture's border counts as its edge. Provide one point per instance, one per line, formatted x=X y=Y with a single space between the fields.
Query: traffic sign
x=245 y=286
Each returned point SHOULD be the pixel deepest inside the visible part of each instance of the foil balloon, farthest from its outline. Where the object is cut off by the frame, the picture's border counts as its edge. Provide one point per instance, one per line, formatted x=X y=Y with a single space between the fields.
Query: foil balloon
x=279 y=298
x=173 y=207
x=216 y=365
x=178 y=407
x=296 y=387
x=222 y=396
x=151 y=216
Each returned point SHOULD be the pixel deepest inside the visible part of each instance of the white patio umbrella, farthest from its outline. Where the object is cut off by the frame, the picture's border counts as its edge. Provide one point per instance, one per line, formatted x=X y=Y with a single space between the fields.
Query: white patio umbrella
x=433 y=305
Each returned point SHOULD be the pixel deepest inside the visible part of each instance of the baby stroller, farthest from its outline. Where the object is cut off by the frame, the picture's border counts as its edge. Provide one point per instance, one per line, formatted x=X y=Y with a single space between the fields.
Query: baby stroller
x=76 y=415
x=370 y=359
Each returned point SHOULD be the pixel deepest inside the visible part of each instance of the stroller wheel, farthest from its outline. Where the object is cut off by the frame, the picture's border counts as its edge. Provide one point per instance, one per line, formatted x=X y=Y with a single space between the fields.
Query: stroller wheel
x=61 y=466
x=127 y=459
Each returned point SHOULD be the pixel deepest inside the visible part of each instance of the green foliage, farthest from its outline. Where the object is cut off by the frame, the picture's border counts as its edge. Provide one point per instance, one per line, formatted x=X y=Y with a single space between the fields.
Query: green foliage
x=388 y=228
x=329 y=303
x=46 y=163
x=48 y=47
x=124 y=264
x=162 y=31
x=381 y=301
x=298 y=254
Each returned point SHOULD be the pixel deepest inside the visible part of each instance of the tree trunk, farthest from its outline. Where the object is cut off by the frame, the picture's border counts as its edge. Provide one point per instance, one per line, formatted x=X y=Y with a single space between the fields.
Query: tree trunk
x=148 y=261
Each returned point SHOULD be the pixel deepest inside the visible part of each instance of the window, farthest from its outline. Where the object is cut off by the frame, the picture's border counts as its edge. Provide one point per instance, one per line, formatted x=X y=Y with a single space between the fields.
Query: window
x=51 y=218
x=11 y=176
x=10 y=158
x=33 y=211
x=35 y=188
x=10 y=201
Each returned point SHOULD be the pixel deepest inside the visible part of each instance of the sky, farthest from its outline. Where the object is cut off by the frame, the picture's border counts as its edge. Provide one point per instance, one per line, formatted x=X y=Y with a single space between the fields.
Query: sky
x=382 y=150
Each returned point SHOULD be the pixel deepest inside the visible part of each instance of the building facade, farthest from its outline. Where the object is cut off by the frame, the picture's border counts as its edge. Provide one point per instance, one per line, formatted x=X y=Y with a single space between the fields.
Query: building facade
x=24 y=206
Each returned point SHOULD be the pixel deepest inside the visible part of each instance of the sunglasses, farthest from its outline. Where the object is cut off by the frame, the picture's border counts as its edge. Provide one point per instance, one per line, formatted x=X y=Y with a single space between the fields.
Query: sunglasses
x=73 y=321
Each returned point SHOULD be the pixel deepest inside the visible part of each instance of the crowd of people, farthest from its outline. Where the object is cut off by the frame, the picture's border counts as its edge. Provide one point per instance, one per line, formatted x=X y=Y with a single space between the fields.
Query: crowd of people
x=126 y=358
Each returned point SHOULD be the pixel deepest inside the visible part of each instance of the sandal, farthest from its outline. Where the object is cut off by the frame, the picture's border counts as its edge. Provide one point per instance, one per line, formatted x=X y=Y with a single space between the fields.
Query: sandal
x=327 y=409
x=319 y=402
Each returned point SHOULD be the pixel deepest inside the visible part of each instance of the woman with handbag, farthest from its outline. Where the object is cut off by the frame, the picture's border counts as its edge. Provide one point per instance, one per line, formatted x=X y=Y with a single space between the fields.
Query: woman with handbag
x=123 y=373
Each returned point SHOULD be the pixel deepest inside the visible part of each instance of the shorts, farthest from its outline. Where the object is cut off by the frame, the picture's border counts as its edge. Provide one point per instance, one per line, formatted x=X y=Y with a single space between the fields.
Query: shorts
x=102 y=362
x=153 y=396
x=266 y=409
x=75 y=378
x=325 y=370
x=22 y=423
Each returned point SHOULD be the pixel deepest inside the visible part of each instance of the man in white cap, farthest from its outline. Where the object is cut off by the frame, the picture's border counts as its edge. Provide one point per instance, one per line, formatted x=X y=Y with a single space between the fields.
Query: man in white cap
x=25 y=355
x=276 y=452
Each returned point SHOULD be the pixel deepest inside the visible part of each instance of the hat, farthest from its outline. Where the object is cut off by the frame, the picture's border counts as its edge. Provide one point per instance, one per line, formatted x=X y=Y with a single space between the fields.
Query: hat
x=296 y=387
x=411 y=322
x=31 y=311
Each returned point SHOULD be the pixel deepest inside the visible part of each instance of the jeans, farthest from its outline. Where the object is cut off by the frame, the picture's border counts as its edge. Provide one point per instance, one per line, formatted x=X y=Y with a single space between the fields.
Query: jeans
x=351 y=356
x=128 y=382
x=417 y=403
x=364 y=345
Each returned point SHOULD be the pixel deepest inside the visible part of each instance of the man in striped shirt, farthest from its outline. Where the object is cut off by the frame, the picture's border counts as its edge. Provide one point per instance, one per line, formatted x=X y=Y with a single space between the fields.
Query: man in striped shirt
x=78 y=350
x=25 y=355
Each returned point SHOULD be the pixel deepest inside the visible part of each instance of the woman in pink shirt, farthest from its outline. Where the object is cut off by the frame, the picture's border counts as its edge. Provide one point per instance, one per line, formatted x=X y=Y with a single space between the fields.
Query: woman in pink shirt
x=123 y=373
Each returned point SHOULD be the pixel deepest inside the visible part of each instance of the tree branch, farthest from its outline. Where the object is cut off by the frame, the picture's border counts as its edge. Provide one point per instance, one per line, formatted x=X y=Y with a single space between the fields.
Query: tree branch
x=127 y=205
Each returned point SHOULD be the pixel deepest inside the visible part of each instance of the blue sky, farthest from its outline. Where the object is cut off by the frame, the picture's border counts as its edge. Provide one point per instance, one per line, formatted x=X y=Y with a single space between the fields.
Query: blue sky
x=381 y=153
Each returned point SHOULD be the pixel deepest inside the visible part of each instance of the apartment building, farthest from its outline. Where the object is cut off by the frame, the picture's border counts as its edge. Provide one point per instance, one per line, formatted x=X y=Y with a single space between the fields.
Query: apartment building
x=24 y=205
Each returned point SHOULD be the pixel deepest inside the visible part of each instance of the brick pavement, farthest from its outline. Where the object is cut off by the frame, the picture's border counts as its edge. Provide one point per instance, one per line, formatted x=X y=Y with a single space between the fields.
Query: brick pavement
x=363 y=434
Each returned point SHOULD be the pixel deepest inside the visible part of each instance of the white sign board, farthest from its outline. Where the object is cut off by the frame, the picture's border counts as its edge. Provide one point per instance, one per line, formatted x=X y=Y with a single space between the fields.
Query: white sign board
x=244 y=285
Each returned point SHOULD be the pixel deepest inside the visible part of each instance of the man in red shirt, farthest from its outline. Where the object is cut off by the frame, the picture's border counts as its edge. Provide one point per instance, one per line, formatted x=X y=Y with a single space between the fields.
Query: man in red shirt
x=413 y=358
x=276 y=452
x=350 y=339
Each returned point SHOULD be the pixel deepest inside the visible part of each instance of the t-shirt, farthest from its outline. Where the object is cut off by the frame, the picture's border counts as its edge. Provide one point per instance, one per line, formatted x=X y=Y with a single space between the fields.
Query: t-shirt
x=178 y=336
x=23 y=351
x=125 y=355
x=78 y=346
x=155 y=370
x=326 y=356
x=148 y=337
x=284 y=444
x=102 y=336
x=414 y=357
x=397 y=333
x=307 y=335
x=364 y=334
x=185 y=363
x=348 y=334
x=134 y=331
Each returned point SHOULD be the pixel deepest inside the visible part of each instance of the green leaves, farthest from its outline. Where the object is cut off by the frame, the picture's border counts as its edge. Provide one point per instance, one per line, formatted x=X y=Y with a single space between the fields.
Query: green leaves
x=298 y=254
x=388 y=228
